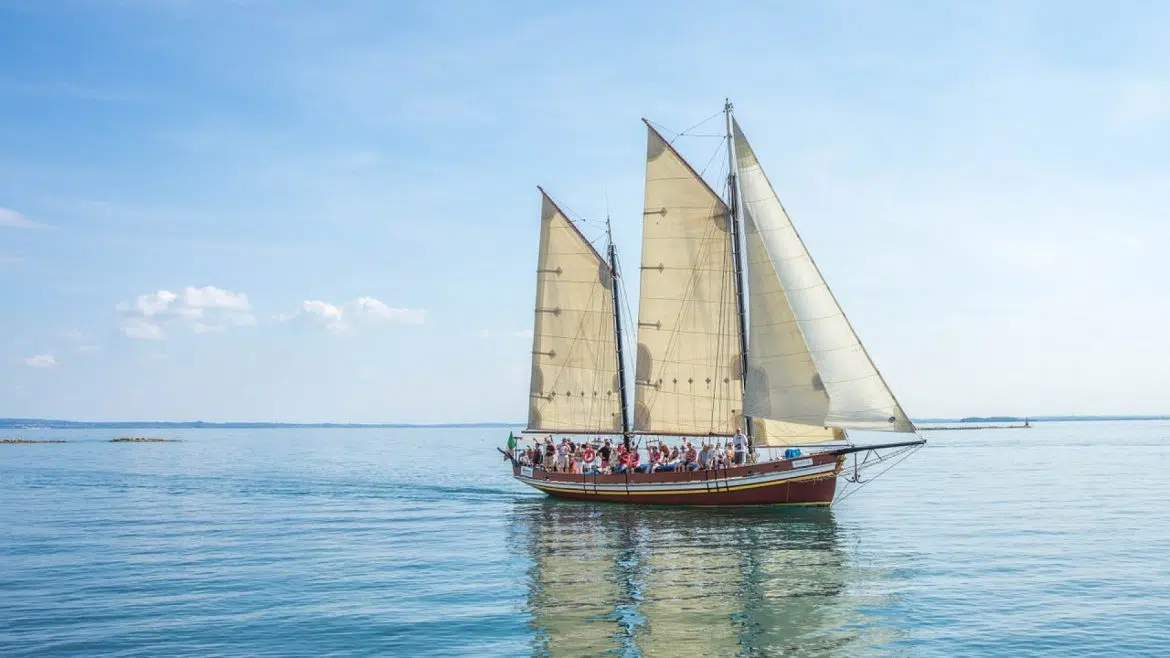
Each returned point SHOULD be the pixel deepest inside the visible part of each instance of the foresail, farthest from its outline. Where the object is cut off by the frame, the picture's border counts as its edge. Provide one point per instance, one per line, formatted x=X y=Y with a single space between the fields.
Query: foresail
x=688 y=371
x=782 y=378
x=858 y=396
x=574 y=385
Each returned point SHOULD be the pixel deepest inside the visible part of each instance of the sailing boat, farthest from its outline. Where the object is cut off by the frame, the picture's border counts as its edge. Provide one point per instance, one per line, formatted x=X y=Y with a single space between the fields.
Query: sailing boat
x=723 y=345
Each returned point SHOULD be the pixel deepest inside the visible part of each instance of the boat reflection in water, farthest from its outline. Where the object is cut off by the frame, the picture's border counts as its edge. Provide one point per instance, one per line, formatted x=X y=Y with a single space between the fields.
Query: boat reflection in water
x=632 y=580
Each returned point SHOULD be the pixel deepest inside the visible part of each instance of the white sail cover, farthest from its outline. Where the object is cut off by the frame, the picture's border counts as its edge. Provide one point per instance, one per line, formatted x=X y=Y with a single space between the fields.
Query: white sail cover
x=777 y=433
x=785 y=375
x=688 y=371
x=574 y=385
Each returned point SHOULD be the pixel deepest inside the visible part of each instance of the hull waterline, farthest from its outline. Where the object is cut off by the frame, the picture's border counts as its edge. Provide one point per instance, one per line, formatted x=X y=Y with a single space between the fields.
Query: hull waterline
x=810 y=480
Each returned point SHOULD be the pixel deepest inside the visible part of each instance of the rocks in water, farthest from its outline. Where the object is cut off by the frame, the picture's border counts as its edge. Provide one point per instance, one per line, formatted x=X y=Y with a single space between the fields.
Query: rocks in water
x=18 y=440
x=140 y=439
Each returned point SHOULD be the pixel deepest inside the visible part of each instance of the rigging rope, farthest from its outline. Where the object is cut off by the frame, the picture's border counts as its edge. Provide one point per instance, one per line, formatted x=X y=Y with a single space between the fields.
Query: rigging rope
x=718 y=149
x=678 y=134
x=900 y=454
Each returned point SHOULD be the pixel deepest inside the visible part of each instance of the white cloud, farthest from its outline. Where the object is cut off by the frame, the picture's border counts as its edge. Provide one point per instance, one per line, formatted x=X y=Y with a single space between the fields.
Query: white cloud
x=203 y=310
x=41 y=361
x=212 y=297
x=326 y=313
x=363 y=310
x=150 y=304
x=142 y=329
x=370 y=307
x=13 y=219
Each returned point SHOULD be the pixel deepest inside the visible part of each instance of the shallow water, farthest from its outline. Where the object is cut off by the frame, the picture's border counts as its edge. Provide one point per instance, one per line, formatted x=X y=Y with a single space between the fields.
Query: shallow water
x=1046 y=541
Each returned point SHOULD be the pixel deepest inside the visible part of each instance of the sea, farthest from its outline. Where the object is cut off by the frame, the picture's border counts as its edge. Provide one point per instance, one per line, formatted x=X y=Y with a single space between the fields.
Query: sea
x=1047 y=541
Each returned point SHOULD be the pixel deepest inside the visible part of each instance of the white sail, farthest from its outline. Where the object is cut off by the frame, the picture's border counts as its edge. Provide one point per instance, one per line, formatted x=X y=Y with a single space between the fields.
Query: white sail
x=782 y=378
x=688 y=369
x=858 y=397
x=574 y=385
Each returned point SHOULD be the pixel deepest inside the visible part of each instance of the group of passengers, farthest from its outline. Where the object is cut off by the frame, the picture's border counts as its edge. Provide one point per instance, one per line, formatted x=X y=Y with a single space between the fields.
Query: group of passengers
x=602 y=457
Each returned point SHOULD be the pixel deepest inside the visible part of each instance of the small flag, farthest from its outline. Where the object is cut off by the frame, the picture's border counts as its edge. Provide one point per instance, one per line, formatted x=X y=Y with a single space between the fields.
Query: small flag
x=511 y=441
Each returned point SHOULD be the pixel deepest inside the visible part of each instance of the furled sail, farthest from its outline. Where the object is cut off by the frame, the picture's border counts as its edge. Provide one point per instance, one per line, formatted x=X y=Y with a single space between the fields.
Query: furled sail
x=687 y=368
x=809 y=347
x=777 y=433
x=574 y=385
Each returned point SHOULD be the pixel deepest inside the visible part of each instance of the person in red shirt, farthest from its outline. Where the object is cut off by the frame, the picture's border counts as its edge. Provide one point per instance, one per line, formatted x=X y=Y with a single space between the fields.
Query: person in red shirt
x=623 y=461
x=655 y=459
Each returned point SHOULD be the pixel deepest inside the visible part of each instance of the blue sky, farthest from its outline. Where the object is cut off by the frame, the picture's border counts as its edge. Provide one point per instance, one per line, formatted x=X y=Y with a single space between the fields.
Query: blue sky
x=300 y=211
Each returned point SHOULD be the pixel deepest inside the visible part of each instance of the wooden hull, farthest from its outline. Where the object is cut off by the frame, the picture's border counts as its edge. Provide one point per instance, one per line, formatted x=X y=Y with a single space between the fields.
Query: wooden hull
x=810 y=480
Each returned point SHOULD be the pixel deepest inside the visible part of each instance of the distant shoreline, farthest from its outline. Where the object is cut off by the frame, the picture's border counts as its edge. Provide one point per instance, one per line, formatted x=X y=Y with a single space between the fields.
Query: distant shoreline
x=53 y=424
x=48 y=424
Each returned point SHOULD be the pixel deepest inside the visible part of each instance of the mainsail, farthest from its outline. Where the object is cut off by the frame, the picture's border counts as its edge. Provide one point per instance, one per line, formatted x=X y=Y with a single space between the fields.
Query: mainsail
x=574 y=385
x=688 y=379
x=806 y=365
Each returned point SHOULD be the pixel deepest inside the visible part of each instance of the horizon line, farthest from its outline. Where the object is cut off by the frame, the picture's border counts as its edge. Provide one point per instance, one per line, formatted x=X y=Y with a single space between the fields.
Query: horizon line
x=929 y=419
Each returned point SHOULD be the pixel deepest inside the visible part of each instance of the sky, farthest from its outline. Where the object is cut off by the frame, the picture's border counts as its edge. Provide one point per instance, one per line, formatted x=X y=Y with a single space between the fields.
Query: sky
x=285 y=210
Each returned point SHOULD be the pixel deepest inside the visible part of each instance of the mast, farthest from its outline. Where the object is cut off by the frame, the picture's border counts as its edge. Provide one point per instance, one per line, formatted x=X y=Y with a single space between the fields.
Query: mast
x=737 y=257
x=617 y=330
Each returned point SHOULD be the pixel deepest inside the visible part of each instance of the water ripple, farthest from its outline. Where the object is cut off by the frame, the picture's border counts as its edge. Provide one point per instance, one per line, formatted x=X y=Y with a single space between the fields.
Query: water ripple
x=1038 y=542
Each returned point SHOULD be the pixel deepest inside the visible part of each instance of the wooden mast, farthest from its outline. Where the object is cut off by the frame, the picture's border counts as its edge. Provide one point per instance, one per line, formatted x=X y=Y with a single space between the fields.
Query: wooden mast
x=617 y=329
x=737 y=256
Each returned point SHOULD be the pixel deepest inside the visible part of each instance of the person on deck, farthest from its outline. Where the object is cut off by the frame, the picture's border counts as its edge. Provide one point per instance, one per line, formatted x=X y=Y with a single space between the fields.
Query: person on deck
x=563 y=455
x=691 y=458
x=739 y=443
x=550 y=454
x=674 y=461
x=604 y=451
x=706 y=456
x=655 y=459
x=623 y=464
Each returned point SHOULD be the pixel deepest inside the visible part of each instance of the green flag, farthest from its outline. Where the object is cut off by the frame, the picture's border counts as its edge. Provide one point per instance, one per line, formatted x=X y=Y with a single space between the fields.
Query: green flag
x=511 y=441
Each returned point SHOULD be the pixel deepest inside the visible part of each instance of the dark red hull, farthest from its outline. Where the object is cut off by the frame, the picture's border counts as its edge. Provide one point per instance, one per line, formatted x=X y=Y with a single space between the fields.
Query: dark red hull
x=810 y=480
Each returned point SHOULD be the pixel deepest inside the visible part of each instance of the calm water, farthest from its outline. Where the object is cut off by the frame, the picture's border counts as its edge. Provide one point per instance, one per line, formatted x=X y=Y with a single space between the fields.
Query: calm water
x=1049 y=541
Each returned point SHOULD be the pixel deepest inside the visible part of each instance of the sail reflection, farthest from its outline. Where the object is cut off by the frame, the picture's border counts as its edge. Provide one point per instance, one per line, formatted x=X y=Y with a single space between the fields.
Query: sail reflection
x=631 y=580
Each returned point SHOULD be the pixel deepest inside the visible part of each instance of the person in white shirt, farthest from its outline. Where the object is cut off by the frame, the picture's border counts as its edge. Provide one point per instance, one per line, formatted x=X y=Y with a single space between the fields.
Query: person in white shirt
x=739 y=442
